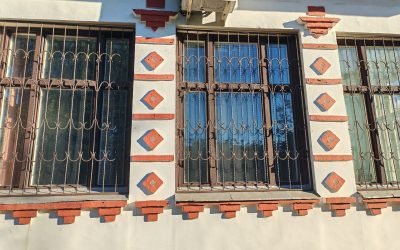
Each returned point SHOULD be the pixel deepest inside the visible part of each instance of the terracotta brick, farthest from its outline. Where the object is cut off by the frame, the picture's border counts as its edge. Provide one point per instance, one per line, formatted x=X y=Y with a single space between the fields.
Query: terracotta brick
x=149 y=14
x=333 y=200
x=340 y=206
x=159 y=4
x=321 y=65
x=328 y=140
x=302 y=212
x=302 y=206
x=151 y=203
x=321 y=81
x=153 y=116
x=320 y=46
x=229 y=210
x=307 y=19
x=153 y=60
x=324 y=158
x=329 y=118
x=24 y=220
x=375 y=211
x=68 y=212
x=324 y=102
x=151 y=139
x=192 y=216
x=151 y=217
x=334 y=182
x=321 y=26
x=152 y=210
x=158 y=41
x=152 y=99
x=377 y=205
x=152 y=183
x=109 y=211
x=68 y=219
x=316 y=11
x=192 y=211
x=339 y=212
x=24 y=213
x=152 y=158
x=109 y=218
x=229 y=215
x=154 y=77
x=266 y=209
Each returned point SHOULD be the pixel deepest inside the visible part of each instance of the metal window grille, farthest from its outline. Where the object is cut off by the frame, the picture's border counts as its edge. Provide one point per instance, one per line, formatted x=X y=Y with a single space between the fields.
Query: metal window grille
x=65 y=94
x=371 y=75
x=240 y=122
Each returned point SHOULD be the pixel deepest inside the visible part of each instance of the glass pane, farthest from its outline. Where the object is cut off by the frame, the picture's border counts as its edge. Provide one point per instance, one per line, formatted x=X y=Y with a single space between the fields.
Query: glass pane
x=194 y=62
x=60 y=61
x=284 y=143
x=112 y=138
x=278 y=64
x=387 y=110
x=21 y=55
x=349 y=66
x=360 y=139
x=63 y=146
x=13 y=122
x=117 y=63
x=196 y=145
x=240 y=137
x=236 y=63
x=382 y=65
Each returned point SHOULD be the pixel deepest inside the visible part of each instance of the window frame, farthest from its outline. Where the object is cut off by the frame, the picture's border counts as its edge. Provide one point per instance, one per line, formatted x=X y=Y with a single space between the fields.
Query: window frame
x=211 y=87
x=367 y=90
x=67 y=29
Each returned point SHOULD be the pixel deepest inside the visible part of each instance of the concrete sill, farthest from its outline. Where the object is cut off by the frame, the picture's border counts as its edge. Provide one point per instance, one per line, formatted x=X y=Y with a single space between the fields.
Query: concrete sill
x=379 y=193
x=244 y=196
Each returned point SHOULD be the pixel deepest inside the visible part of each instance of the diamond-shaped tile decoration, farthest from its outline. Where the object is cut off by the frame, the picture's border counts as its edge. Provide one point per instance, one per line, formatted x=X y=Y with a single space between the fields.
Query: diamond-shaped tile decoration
x=151 y=183
x=324 y=102
x=153 y=60
x=152 y=99
x=320 y=65
x=328 y=140
x=333 y=182
x=151 y=139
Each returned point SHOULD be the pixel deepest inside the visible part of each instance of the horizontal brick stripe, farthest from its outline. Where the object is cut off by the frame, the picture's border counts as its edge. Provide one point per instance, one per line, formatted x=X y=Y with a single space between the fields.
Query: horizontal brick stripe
x=153 y=116
x=154 y=77
x=321 y=81
x=152 y=158
x=320 y=46
x=324 y=158
x=329 y=118
x=160 y=41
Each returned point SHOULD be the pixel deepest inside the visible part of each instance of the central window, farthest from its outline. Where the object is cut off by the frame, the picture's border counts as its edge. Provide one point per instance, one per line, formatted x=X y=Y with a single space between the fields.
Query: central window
x=240 y=117
x=64 y=115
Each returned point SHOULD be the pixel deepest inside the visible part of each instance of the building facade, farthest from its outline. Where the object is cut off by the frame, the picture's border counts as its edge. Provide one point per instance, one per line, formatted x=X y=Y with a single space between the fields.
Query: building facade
x=198 y=124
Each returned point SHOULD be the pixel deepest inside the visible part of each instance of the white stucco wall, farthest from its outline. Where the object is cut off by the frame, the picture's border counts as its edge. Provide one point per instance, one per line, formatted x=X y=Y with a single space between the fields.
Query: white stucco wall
x=319 y=230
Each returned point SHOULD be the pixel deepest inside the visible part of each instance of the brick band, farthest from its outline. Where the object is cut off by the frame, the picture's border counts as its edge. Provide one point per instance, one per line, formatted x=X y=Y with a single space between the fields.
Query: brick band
x=159 y=41
x=153 y=116
x=321 y=81
x=329 y=118
x=320 y=46
x=324 y=158
x=154 y=77
x=152 y=158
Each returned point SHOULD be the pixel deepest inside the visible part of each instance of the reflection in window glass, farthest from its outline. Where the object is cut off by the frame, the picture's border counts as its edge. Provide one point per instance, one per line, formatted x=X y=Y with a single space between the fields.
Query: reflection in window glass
x=117 y=62
x=21 y=55
x=349 y=66
x=278 y=64
x=194 y=62
x=382 y=65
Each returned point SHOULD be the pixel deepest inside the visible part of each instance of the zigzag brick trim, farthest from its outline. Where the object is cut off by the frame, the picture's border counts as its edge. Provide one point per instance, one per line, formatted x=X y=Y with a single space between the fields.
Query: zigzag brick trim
x=151 y=209
x=374 y=206
x=339 y=205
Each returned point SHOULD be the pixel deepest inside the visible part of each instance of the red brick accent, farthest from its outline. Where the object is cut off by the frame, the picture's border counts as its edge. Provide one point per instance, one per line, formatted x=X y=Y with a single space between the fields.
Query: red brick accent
x=328 y=140
x=154 y=19
x=339 y=205
x=159 y=4
x=266 y=208
x=152 y=183
x=153 y=60
x=318 y=24
x=192 y=210
x=320 y=46
x=68 y=215
x=154 y=77
x=152 y=158
x=229 y=210
x=334 y=182
x=301 y=207
x=159 y=41
x=321 y=65
x=152 y=98
x=321 y=81
x=152 y=139
x=153 y=116
x=67 y=210
x=329 y=118
x=333 y=158
x=151 y=209
x=375 y=206
x=324 y=101
x=316 y=11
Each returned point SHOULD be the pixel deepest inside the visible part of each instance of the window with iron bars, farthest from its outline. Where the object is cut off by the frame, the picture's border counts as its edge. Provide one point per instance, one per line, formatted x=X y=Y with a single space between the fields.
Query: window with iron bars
x=371 y=76
x=240 y=116
x=65 y=107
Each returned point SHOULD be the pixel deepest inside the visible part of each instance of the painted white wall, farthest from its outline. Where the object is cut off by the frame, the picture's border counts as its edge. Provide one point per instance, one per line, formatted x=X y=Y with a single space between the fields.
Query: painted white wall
x=317 y=231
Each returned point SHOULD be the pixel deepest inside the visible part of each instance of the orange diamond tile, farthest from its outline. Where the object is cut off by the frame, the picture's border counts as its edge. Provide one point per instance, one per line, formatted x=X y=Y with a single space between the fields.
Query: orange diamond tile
x=324 y=102
x=321 y=65
x=334 y=182
x=152 y=183
x=152 y=99
x=153 y=60
x=328 y=140
x=151 y=139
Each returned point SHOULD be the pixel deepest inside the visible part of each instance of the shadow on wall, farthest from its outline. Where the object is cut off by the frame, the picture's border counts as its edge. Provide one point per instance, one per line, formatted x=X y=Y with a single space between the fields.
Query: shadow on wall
x=368 y=8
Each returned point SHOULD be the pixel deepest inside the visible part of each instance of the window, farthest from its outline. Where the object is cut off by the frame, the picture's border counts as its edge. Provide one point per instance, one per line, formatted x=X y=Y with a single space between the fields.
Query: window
x=240 y=120
x=371 y=74
x=65 y=110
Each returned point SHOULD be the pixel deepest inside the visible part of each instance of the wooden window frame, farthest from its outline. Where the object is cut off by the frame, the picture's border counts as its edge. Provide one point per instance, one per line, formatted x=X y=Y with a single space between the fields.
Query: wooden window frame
x=210 y=87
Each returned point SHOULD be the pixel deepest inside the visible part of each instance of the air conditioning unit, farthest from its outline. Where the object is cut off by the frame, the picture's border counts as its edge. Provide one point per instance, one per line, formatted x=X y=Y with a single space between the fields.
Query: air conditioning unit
x=220 y=6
